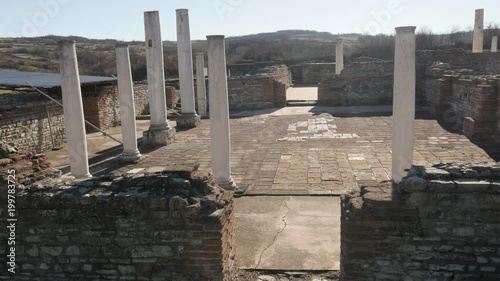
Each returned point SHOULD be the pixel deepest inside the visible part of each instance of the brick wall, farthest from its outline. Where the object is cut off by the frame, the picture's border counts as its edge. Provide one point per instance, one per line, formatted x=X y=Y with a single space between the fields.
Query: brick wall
x=101 y=106
x=266 y=89
x=250 y=93
x=153 y=226
x=443 y=225
x=314 y=73
x=24 y=121
x=470 y=104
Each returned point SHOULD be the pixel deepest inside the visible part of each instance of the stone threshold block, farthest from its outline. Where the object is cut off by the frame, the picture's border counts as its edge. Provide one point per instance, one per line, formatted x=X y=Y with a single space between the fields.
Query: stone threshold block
x=187 y=120
x=159 y=137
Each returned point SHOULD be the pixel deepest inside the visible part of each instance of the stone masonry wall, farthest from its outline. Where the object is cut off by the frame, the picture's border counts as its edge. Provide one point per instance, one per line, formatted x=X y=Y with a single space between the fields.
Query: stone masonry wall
x=480 y=63
x=314 y=73
x=141 y=98
x=24 y=121
x=250 y=93
x=443 y=224
x=151 y=226
x=469 y=103
x=364 y=82
x=266 y=89
x=279 y=73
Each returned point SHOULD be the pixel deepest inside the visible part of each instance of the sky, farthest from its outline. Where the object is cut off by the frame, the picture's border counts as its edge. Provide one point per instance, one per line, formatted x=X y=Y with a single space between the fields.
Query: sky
x=124 y=19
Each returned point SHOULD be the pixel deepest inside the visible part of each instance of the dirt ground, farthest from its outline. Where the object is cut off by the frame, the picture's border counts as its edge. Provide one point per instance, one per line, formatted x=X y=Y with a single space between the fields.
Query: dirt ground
x=244 y=275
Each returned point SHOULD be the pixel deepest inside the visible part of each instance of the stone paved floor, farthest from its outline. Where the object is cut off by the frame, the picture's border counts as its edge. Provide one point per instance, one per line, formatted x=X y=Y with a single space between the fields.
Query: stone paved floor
x=315 y=154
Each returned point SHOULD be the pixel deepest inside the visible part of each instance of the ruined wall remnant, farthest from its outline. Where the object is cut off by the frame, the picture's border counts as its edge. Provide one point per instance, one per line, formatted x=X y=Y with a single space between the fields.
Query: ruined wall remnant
x=480 y=63
x=468 y=103
x=24 y=121
x=364 y=82
x=314 y=73
x=100 y=106
x=266 y=89
x=248 y=68
x=443 y=226
x=141 y=98
x=154 y=225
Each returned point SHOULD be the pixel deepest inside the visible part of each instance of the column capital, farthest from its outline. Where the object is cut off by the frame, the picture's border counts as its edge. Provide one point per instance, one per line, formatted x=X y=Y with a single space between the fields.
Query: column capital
x=121 y=45
x=215 y=37
x=66 y=42
x=151 y=12
x=405 y=29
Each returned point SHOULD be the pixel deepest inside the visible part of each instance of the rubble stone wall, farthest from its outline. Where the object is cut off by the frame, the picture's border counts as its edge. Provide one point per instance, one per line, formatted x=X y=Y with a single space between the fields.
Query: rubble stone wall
x=266 y=89
x=24 y=121
x=314 y=73
x=480 y=63
x=157 y=225
x=360 y=83
x=442 y=224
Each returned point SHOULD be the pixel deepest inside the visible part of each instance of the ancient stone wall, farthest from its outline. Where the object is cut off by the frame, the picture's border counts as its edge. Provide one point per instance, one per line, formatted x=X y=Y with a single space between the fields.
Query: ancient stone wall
x=250 y=93
x=24 y=121
x=249 y=68
x=469 y=103
x=141 y=98
x=480 y=63
x=442 y=225
x=364 y=82
x=266 y=89
x=279 y=73
x=314 y=73
x=156 y=225
x=100 y=106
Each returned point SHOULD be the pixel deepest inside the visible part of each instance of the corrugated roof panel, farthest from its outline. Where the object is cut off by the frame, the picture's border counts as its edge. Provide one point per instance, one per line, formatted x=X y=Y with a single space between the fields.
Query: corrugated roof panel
x=11 y=78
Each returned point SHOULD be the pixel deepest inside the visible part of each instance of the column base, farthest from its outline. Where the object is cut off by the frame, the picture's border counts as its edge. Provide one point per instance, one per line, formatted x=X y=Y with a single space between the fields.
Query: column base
x=188 y=120
x=162 y=136
x=227 y=184
x=130 y=157
x=86 y=176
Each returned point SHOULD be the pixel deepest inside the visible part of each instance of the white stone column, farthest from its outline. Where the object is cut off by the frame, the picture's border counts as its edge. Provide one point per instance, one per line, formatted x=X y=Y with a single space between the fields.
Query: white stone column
x=339 y=57
x=127 y=105
x=403 y=119
x=74 y=121
x=494 y=44
x=201 y=90
x=477 y=45
x=189 y=118
x=159 y=133
x=219 y=112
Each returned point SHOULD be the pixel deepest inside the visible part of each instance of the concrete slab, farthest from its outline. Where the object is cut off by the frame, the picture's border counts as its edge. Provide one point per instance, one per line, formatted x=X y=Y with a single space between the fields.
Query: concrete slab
x=288 y=233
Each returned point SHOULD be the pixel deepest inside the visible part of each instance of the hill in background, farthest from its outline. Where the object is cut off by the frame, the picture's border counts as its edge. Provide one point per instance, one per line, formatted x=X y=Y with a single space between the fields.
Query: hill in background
x=97 y=57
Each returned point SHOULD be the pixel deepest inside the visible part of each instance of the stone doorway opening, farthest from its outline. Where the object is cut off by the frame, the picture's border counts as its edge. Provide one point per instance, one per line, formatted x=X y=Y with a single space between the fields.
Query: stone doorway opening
x=302 y=95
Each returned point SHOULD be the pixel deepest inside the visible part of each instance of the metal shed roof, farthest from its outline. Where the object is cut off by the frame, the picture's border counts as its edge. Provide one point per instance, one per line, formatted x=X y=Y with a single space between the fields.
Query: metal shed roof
x=11 y=78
